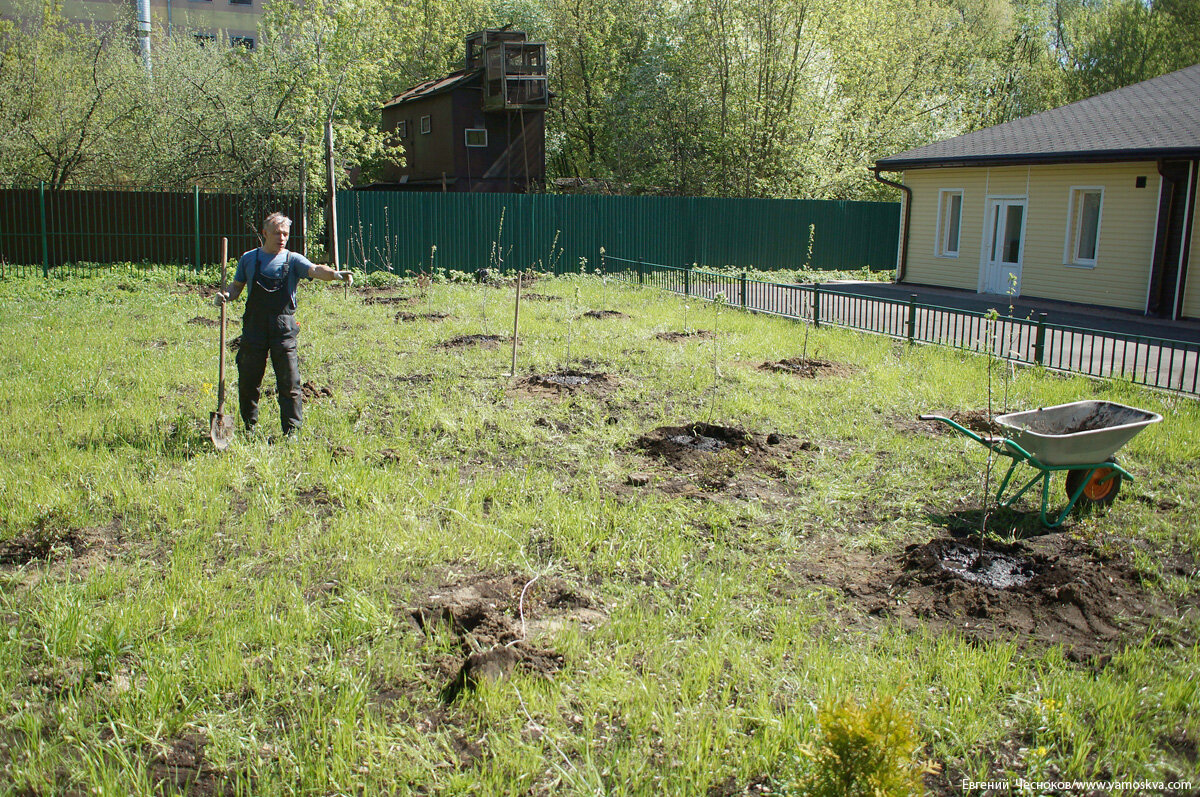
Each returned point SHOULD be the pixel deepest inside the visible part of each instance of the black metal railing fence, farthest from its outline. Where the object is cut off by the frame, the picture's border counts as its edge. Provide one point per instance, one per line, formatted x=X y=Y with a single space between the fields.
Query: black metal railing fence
x=1156 y=362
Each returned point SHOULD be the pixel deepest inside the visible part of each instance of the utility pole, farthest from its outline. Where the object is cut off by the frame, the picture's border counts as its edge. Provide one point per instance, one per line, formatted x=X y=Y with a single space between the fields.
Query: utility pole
x=143 y=22
x=332 y=183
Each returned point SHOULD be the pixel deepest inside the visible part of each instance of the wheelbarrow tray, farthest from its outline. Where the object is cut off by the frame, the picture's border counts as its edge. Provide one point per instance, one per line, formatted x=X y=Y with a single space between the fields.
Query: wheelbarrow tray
x=1079 y=433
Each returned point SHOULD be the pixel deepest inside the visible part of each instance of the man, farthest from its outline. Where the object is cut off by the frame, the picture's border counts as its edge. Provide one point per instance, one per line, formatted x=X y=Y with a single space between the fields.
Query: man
x=269 y=323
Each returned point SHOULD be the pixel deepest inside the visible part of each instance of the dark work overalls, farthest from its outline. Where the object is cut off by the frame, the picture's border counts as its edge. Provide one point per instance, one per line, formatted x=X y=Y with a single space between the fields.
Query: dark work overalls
x=269 y=327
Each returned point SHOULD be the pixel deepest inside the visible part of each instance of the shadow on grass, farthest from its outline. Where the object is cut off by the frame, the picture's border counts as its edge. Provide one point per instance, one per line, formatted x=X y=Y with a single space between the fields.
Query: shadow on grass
x=182 y=439
x=1003 y=521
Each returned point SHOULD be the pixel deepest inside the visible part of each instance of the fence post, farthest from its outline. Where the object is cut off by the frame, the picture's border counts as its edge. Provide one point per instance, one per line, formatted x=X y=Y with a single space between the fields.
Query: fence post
x=196 y=219
x=687 y=281
x=45 y=234
x=816 y=308
x=912 y=316
x=742 y=287
x=1039 y=342
x=641 y=272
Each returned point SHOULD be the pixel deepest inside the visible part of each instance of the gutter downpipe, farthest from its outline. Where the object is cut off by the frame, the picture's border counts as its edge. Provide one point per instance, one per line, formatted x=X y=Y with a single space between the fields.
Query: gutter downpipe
x=902 y=266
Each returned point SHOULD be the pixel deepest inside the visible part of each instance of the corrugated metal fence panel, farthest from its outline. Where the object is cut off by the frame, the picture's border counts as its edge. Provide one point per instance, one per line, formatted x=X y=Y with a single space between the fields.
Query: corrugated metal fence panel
x=120 y=225
x=399 y=230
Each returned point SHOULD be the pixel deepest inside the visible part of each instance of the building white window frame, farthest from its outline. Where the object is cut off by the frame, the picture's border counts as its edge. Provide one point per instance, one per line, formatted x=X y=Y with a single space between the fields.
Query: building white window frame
x=426 y=124
x=1072 y=239
x=943 y=246
x=467 y=136
x=402 y=128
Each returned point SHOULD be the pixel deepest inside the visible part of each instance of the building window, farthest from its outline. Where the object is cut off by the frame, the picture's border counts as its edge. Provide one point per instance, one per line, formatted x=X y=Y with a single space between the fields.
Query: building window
x=239 y=2
x=949 y=221
x=205 y=39
x=476 y=136
x=402 y=129
x=1083 y=225
x=426 y=126
x=242 y=41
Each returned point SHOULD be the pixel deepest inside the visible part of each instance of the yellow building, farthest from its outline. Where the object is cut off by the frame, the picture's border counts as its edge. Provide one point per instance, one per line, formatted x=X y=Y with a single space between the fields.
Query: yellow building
x=1093 y=202
x=231 y=21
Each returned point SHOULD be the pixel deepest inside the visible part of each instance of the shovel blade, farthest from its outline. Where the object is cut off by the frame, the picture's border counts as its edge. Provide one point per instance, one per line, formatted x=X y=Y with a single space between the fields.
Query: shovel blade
x=220 y=430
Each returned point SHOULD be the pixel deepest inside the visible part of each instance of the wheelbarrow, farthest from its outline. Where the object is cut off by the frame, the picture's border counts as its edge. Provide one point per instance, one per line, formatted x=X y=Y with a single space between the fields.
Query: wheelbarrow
x=1079 y=438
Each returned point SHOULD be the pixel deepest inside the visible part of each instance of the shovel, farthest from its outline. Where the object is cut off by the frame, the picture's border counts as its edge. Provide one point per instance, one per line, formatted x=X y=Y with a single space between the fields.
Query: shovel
x=221 y=425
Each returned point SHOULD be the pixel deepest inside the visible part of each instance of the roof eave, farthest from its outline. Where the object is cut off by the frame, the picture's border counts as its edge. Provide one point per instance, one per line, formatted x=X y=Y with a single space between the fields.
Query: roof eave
x=1031 y=159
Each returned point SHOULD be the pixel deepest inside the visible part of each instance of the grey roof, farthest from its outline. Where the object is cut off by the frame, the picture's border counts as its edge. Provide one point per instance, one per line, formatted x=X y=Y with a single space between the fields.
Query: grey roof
x=1156 y=118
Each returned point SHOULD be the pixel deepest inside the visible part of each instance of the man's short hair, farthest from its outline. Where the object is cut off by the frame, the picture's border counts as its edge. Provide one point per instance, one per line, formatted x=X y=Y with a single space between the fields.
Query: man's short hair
x=277 y=219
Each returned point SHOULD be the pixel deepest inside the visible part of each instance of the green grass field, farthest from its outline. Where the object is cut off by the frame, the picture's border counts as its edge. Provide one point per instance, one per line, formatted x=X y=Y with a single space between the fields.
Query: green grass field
x=291 y=616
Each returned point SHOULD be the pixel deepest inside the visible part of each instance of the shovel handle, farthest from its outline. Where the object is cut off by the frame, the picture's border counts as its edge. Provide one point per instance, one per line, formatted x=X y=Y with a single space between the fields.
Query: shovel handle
x=221 y=360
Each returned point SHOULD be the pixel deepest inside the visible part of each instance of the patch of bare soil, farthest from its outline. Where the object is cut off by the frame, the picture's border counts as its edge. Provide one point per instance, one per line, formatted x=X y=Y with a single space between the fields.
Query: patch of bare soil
x=569 y=381
x=472 y=340
x=604 y=314
x=494 y=621
x=1049 y=590
x=391 y=299
x=433 y=316
x=182 y=769
x=540 y=297
x=674 y=337
x=808 y=368
x=78 y=551
x=191 y=289
x=204 y=322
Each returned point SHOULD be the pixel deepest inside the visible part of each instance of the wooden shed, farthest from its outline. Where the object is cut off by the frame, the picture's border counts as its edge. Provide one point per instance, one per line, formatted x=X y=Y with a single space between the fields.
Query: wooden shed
x=1093 y=202
x=482 y=128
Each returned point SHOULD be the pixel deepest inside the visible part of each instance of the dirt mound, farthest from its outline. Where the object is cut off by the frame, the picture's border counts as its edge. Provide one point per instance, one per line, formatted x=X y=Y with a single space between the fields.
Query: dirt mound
x=204 y=322
x=604 y=314
x=391 y=300
x=472 y=340
x=312 y=391
x=682 y=444
x=807 y=368
x=678 y=336
x=434 y=316
x=493 y=622
x=715 y=459
x=1049 y=590
x=567 y=381
x=182 y=769
x=978 y=421
x=63 y=548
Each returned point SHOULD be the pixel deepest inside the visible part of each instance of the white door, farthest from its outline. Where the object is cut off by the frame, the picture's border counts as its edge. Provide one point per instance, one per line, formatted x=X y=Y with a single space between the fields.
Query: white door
x=1003 y=241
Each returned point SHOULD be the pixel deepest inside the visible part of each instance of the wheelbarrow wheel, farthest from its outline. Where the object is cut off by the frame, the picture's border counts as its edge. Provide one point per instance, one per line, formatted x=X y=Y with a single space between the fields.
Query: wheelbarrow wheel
x=1096 y=491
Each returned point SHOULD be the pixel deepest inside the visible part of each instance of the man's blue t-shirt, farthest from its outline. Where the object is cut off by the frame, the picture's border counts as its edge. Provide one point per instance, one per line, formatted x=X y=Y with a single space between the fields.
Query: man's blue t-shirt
x=256 y=263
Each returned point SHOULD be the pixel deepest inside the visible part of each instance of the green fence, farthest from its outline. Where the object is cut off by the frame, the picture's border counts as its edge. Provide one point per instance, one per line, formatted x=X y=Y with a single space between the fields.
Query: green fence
x=44 y=229
x=414 y=232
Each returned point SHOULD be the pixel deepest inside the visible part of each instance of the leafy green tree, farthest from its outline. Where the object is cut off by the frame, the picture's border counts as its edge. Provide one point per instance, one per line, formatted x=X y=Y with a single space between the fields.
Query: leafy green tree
x=68 y=97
